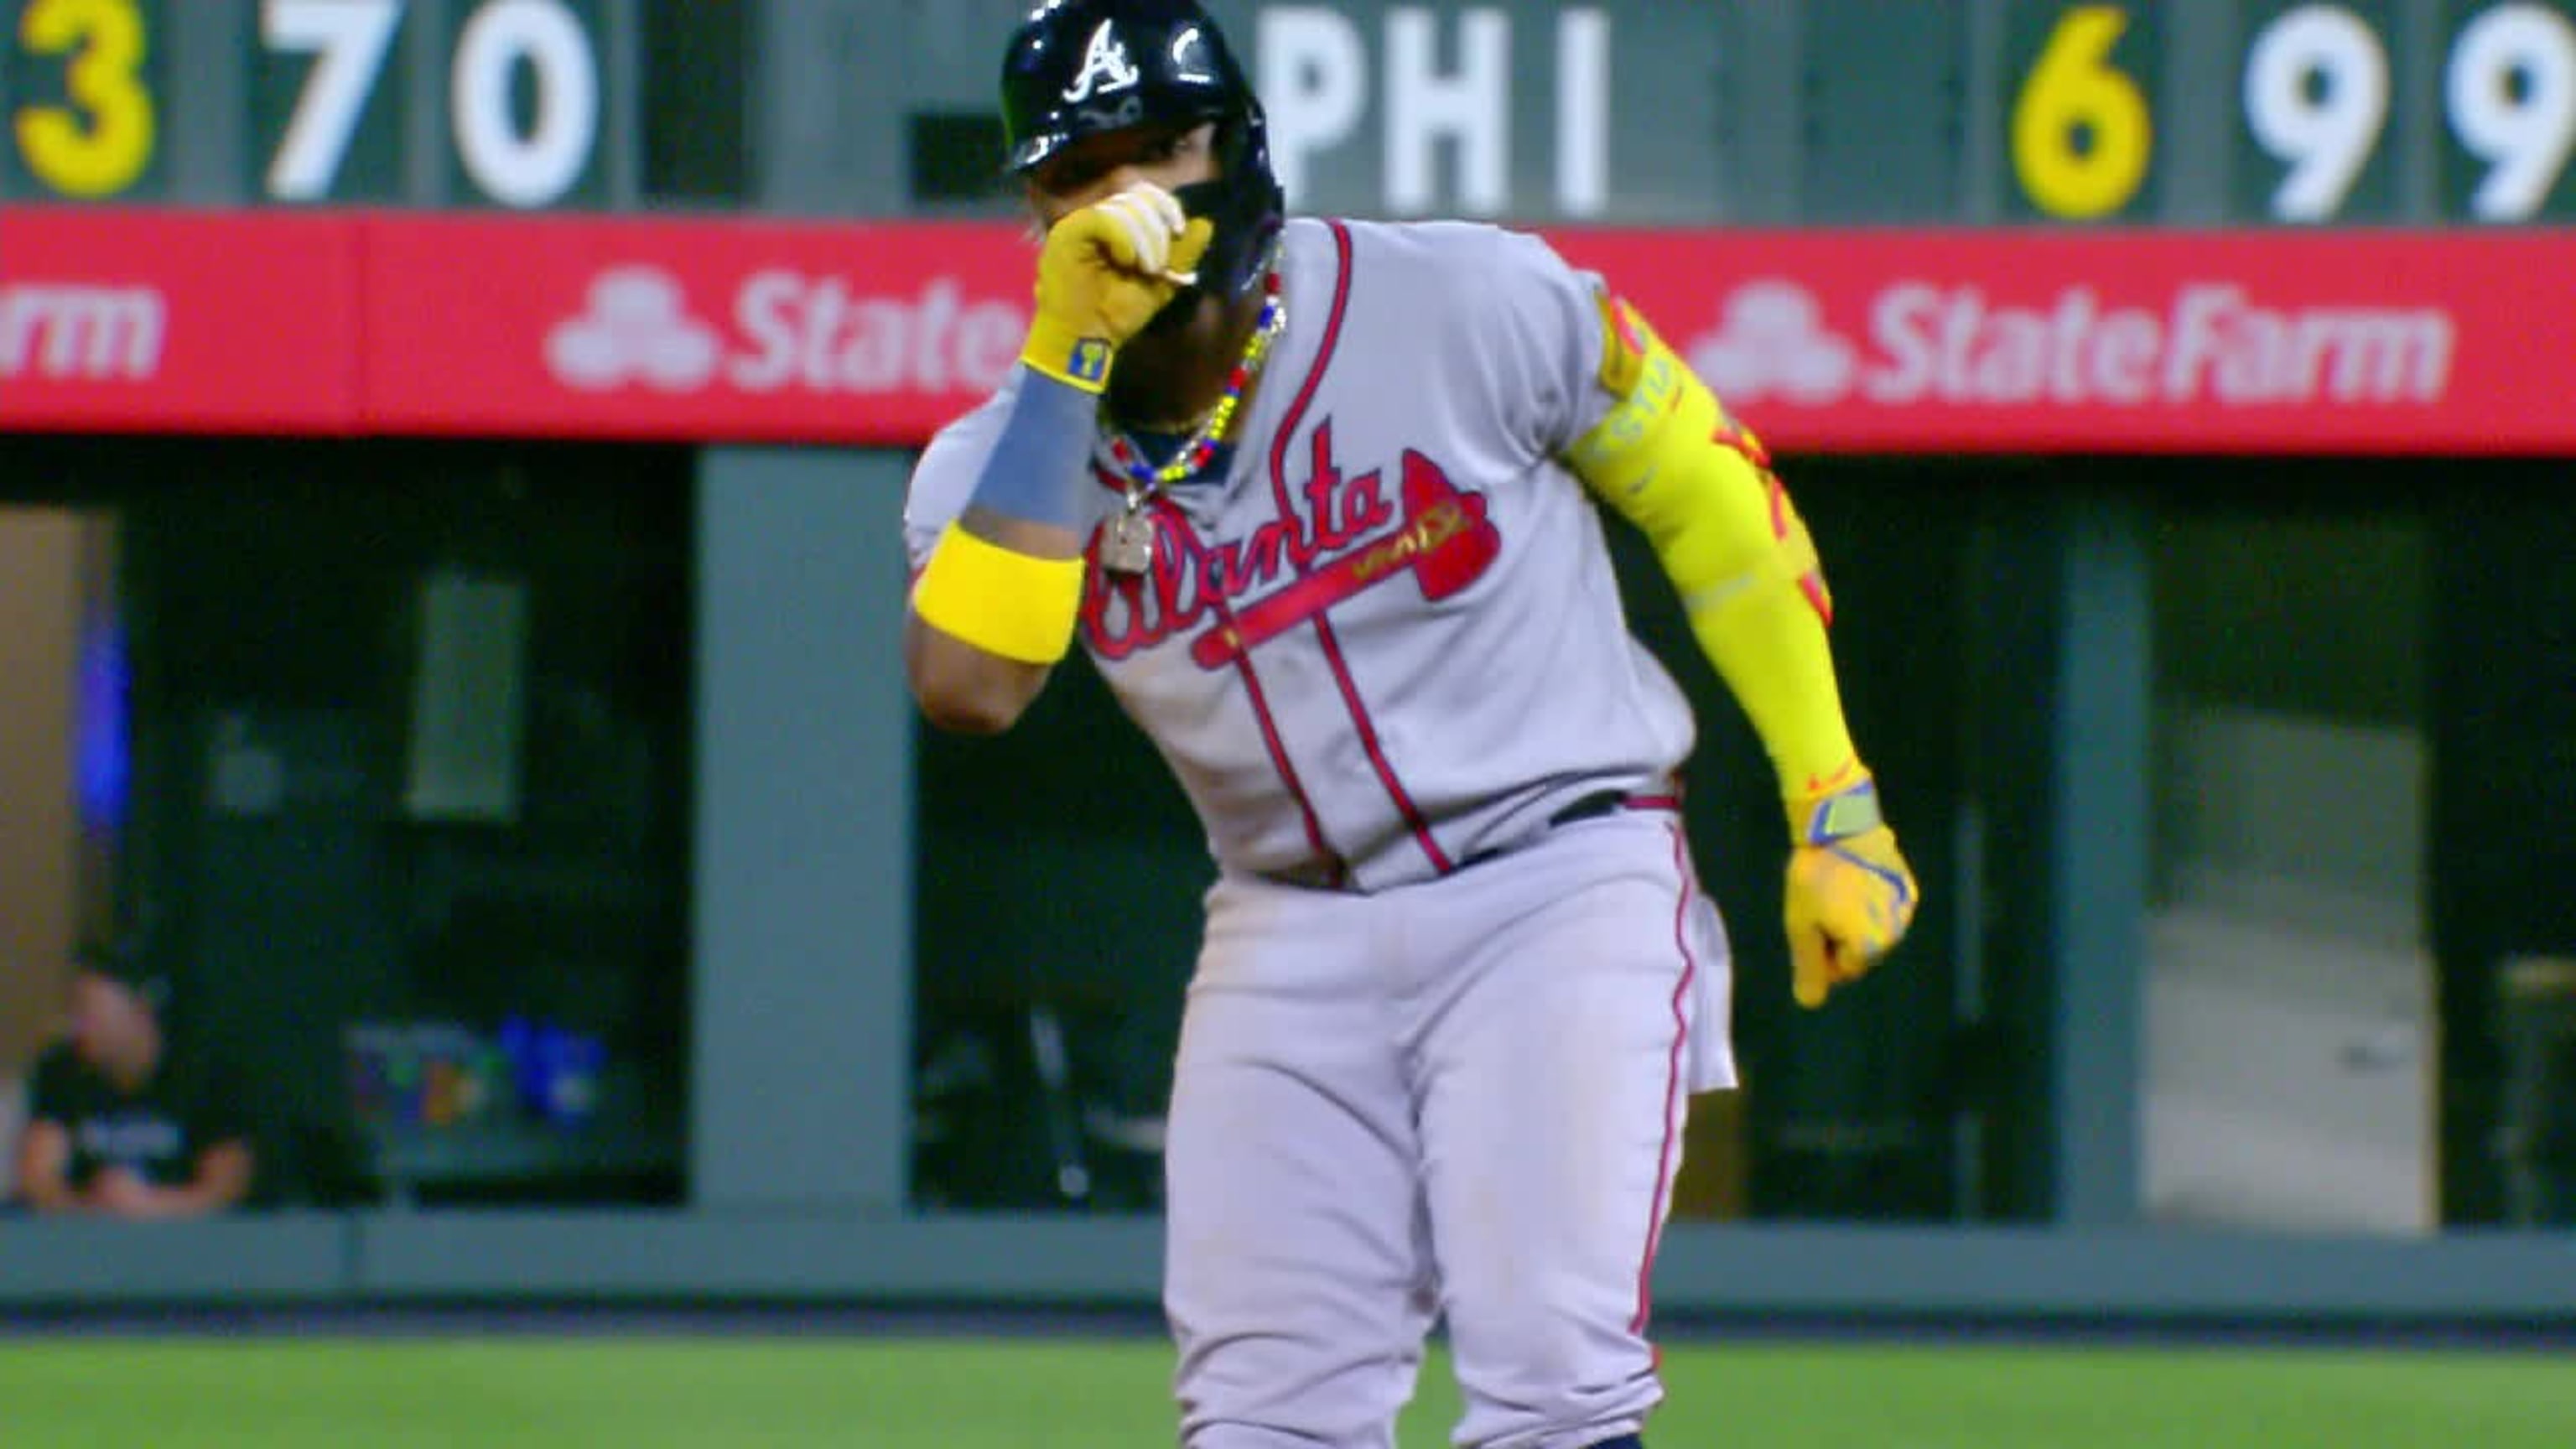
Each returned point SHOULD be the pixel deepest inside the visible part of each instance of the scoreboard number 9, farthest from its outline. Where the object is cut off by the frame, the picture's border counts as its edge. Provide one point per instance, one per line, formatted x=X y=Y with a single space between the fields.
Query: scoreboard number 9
x=523 y=95
x=2316 y=100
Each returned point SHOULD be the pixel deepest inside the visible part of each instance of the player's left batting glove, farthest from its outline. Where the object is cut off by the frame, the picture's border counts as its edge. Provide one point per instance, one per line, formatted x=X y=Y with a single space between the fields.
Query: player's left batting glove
x=1850 y=894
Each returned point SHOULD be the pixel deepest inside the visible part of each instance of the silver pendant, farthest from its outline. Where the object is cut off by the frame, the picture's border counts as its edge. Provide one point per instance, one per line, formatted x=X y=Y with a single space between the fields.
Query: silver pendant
x=1127 y=544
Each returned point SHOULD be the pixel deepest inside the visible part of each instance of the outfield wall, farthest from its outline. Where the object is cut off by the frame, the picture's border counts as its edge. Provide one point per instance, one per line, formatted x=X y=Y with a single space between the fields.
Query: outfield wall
x=797 y=1166
x=2500 y=1279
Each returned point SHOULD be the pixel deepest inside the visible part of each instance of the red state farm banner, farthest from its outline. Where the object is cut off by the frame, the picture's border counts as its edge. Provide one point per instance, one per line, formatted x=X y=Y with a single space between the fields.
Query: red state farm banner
x=119 y=321
x=696 y=330
x=2014 y=341
x=2060 y=341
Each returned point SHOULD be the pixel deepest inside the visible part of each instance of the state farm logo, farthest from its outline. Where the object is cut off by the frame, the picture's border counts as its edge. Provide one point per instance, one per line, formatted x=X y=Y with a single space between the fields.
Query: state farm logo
x=638 y=329
x=1771 y=340
x=1929 y=342
x=788 y=332
x=82 y=332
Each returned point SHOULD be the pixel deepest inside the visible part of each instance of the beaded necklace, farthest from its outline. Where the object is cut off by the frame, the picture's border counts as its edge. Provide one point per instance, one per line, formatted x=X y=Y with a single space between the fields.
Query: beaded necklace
x=1128 y=546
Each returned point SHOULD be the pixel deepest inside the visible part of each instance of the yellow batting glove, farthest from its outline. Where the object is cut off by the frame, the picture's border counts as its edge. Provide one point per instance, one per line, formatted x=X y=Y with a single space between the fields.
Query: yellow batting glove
x=1850 y=895
x=1104 y=272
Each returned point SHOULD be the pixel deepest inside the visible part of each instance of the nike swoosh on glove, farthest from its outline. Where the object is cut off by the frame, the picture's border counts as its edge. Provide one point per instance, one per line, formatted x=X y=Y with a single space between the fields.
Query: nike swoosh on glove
x=1850 y=895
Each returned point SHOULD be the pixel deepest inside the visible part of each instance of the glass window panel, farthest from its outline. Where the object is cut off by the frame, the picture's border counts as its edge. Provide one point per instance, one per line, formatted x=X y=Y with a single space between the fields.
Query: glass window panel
x=2290 y=1017
x=398 y=748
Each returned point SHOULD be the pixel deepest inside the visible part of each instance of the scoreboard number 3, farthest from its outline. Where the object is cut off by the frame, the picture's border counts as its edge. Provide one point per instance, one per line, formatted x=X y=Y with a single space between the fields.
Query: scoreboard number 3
x=2316 y=100
x=101 y=141
x=528 y=164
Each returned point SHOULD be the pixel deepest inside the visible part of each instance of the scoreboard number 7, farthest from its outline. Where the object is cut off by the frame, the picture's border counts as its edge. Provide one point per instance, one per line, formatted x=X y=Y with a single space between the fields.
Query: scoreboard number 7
x=348 y=40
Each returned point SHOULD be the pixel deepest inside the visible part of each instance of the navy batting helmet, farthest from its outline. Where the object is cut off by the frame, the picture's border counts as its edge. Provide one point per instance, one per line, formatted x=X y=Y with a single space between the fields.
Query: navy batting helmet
x=1077 y=67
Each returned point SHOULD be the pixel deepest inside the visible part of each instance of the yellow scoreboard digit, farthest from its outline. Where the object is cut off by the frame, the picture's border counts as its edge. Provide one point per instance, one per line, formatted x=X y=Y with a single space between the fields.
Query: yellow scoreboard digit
x=2081 y=120
x=85 y=98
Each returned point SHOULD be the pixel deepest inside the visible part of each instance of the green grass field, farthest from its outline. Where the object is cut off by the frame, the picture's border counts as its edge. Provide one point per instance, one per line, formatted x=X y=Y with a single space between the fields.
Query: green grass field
x=712 y=1393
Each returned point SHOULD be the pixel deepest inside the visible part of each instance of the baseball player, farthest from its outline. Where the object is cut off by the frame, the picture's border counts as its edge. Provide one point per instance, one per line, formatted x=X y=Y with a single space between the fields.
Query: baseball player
x=1318 y=497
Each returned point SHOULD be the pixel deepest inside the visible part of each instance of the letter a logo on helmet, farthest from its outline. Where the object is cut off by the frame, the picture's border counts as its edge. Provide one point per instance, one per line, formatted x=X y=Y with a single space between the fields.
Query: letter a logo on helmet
x=1105 y=66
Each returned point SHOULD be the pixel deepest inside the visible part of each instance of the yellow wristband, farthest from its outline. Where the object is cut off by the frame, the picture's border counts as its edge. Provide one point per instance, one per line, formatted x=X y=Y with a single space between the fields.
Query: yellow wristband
x=1000 y=600
x=1054 y=349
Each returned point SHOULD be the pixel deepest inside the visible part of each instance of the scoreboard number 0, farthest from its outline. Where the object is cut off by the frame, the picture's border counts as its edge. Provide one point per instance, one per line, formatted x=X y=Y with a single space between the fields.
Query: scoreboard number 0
x=522 y=164
x=533 y=168
x=2317 y=92
x=102 y=141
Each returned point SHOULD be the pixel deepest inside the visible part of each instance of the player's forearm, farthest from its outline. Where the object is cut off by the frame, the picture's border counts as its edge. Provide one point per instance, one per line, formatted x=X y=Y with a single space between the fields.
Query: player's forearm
x=995 y=604
x=1699 y=487
x=1769 y=646
x=1758 y=609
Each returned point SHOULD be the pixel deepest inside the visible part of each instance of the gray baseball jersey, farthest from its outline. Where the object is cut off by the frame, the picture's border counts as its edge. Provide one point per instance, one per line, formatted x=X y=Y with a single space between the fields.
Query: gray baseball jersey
x=1443 y=1028
x=1389 y=639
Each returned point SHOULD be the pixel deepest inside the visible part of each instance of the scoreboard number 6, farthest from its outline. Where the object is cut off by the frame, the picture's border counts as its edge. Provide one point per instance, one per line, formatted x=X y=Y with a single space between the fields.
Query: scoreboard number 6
x=530 y=165
x=2082 y=130
x=2316 y=100
x=102 y=141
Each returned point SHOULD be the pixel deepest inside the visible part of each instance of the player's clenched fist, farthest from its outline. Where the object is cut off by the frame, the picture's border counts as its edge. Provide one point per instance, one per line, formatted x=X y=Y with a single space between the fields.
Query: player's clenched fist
x=1103 y=274
x=1850 y=893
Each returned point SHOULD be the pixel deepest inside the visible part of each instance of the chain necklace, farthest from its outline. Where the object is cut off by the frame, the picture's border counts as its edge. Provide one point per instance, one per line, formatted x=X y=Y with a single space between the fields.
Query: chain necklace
x=1128 y=546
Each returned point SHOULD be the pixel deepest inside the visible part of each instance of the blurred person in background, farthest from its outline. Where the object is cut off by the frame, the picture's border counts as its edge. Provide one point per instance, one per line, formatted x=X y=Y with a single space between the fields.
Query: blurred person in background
x=119 y=1126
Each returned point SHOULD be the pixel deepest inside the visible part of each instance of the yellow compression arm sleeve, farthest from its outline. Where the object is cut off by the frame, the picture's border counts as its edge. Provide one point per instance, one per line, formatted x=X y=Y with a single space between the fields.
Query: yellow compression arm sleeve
x=1670 y=460
x=1000 y=600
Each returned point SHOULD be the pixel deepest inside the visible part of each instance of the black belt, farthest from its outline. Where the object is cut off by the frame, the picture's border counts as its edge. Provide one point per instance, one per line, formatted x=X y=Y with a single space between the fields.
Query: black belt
x=1589 y=806
x=1608 y=802
x=1592 y=806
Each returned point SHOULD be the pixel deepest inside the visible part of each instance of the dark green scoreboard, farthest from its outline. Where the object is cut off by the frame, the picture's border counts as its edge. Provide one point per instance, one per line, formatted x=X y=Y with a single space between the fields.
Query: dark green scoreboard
x=2327 y=104
x=2361 y=112
x=512 y=103
x=517 y=112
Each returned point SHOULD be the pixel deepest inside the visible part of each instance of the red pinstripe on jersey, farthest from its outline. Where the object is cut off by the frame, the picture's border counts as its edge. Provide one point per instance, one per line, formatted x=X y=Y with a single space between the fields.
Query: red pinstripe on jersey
x=1325 y=638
